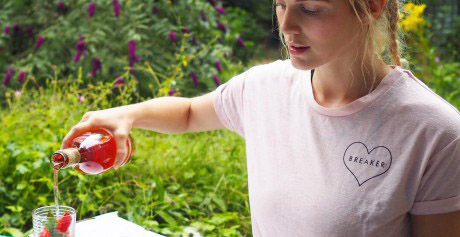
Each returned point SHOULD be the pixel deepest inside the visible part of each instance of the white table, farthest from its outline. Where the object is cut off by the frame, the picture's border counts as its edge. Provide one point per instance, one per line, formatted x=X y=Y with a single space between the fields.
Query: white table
x=112 y=225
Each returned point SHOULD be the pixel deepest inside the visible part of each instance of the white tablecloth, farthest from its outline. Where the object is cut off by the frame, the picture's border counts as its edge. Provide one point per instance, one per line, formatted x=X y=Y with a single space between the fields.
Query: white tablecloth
x=112 y=225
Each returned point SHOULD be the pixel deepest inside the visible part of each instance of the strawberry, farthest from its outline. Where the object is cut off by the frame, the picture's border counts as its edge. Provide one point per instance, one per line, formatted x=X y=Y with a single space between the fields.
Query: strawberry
x=64 y=223
x=45 y=233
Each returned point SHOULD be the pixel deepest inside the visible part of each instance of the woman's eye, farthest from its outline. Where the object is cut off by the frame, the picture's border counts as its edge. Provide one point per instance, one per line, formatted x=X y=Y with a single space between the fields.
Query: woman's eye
x=280 y=5
x=304 y=10
x=309 y=12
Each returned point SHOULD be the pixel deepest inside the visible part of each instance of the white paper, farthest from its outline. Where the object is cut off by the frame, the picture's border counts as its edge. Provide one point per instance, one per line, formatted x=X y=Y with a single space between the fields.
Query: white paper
x=112 y=225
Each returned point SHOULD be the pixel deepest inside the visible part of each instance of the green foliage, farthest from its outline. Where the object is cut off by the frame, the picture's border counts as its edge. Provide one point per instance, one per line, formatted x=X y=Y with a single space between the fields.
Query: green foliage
x=105 y=36
x=173 y=182
x=442 y=75
x=444 y=18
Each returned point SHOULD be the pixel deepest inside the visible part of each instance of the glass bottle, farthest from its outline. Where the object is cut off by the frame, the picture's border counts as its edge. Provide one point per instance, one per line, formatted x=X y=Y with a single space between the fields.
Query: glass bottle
x=91 y=152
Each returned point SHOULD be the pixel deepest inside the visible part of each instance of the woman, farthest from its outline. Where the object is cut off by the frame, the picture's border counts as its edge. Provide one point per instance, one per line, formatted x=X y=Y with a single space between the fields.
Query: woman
x=338 y=142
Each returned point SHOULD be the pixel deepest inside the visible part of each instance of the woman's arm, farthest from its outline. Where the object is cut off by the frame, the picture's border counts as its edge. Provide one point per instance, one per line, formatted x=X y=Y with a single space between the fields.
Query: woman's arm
x=439 y=225
x=172 y=115
x=202 y=116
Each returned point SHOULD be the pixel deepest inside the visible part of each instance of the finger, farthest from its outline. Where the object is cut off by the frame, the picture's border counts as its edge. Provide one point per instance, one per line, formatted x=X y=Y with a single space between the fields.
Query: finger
x=77 y=129
x=86 y=116
x=121 y=138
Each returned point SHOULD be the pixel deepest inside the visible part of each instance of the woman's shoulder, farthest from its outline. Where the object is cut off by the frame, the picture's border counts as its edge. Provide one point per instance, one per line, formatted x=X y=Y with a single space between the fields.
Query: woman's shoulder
x=425 y=106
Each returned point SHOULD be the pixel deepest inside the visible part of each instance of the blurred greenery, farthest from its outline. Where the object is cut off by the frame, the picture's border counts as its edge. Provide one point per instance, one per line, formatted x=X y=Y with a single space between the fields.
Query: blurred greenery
x=440 y=72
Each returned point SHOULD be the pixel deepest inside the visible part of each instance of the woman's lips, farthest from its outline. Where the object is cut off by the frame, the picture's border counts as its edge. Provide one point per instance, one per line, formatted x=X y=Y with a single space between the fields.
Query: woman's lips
x=296 y=50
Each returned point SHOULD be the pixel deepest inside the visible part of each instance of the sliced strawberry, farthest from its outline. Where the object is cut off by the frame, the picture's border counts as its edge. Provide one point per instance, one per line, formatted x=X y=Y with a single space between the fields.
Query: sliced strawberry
x=45 y=233
x=64 y=223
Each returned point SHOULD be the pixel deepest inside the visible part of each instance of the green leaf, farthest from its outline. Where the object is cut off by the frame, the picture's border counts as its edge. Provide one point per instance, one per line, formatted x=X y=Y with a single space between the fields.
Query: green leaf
x=22 y=169
x=51 y=224
x=160 y=188
x=14 y=232
x=15 y=208
x=23 y=184
x=168 y=218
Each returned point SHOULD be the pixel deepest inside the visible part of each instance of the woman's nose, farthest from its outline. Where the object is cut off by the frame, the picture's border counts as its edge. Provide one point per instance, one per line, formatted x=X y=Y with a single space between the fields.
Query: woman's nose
x=289 y=22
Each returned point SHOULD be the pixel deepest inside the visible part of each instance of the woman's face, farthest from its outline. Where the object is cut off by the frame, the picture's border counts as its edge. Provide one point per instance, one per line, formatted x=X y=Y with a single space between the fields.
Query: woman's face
x=327 y=30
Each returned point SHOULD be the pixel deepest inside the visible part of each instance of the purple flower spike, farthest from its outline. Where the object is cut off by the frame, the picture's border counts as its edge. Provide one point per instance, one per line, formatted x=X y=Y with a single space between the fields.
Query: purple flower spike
x=6 y=79
x=77 y=56
x=220 y=10
x=216 y=80
x=8 y=76
x=218 y=65
x=172 y=36
x=116 y=7
x=185 y=30
x=118 y=82
x=241 y=42
x=61 y=7
x=91 y=9
x=133 y=58
x=155 y=10
x=39 y=42
x=97 y=66
x=221 y=26
x=30 y=32
x=6 y=30
x=16 y=29
x=194 y=79
x=171 y=91
x=80 y=46
x=133 y=61
x=132 y=48
x=22 y=75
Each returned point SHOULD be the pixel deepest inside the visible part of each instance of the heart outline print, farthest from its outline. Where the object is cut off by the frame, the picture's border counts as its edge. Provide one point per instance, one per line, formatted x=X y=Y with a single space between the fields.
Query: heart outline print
x=368 y=170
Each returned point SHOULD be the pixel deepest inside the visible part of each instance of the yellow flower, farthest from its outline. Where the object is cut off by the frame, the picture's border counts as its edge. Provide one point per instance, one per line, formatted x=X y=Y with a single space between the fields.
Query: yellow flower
x=412 y=17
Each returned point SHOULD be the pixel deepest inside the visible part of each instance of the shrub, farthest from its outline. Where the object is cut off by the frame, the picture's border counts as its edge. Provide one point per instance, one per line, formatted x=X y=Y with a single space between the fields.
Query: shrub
x=173 y=181
x=106 y=40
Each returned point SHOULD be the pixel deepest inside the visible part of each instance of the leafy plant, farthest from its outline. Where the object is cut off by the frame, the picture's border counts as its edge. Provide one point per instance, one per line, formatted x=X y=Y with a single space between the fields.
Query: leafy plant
x=173 y=183
x=183 y=41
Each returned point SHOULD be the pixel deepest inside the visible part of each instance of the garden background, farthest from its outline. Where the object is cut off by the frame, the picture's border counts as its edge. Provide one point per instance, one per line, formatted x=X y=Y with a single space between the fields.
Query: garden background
x=59 y=59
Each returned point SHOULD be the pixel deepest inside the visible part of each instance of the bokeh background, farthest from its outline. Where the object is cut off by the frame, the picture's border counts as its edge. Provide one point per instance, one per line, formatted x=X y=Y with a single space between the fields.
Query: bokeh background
x=59 y=59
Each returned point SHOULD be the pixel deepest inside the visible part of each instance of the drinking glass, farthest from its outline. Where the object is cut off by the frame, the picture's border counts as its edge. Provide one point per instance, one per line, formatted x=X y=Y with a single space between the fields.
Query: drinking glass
x=47 y=224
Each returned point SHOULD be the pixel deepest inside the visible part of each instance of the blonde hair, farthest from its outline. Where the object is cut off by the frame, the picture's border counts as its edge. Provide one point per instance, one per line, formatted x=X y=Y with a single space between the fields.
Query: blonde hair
x=383 y=36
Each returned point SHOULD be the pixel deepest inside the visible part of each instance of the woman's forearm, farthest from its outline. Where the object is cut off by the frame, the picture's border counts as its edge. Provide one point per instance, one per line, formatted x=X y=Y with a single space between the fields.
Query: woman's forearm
x=164 y=114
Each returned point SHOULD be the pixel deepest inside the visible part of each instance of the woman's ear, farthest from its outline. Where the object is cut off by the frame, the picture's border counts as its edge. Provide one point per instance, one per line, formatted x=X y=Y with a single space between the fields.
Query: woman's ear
x=376 y=7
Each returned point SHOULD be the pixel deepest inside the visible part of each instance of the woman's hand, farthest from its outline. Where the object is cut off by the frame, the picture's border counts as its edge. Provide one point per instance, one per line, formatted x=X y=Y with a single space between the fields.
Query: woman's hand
x=169 y=115
x=117 y=121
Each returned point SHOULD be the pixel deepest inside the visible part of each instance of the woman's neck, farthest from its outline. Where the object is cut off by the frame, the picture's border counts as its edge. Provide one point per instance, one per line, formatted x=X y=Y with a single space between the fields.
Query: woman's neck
x=336 y=85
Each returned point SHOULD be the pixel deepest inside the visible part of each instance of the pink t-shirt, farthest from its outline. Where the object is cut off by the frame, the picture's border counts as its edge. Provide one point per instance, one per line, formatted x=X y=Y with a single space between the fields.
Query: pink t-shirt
x=358 y=170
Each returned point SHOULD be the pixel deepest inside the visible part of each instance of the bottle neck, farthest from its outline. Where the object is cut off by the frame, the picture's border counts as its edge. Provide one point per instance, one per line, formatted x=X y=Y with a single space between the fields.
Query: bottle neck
x=65 y=158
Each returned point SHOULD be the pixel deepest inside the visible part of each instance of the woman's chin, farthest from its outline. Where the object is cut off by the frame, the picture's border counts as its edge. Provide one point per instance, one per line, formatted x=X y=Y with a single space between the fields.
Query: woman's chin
x=301 y=64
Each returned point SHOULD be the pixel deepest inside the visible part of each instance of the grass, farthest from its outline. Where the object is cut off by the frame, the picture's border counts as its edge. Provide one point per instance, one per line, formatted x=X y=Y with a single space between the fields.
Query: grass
x=173 y=182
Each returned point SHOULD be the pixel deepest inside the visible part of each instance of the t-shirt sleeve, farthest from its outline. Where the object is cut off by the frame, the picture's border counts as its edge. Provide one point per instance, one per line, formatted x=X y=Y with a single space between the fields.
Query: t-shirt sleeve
x=439 y=190
x=228 y=103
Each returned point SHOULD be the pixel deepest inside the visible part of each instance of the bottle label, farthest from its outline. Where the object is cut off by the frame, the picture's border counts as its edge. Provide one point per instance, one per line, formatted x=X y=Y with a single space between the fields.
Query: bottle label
x=73 y=155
